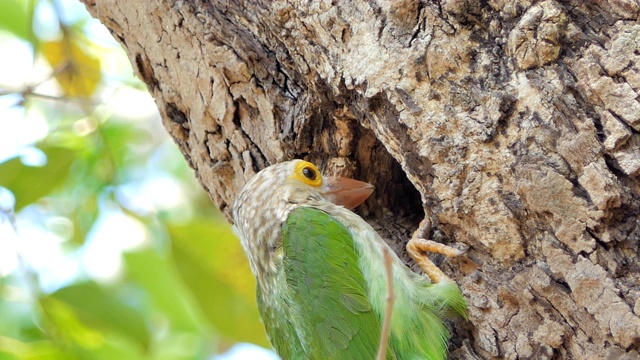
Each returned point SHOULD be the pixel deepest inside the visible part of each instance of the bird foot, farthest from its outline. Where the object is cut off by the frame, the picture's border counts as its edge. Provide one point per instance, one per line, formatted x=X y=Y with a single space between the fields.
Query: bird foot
x=418 y=246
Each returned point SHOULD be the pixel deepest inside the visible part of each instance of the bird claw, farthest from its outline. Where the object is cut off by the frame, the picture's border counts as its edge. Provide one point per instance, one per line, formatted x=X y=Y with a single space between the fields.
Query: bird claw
x=460 y=248
x=418 y=246
x=423 y=230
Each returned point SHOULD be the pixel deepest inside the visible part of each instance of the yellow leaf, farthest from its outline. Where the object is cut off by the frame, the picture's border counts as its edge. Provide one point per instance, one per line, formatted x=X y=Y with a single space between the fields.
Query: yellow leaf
x=77 y=71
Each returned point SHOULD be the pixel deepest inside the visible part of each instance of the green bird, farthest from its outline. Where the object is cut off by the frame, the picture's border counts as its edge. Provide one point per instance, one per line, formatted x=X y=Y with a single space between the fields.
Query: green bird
x=322 y=283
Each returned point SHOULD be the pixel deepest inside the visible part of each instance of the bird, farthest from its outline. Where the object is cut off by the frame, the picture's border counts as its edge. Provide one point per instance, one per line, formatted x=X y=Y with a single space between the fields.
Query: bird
x=322 y=286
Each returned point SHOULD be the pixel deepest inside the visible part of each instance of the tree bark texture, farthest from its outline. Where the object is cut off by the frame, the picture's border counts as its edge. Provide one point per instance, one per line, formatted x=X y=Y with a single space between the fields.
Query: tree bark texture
x=513 y=125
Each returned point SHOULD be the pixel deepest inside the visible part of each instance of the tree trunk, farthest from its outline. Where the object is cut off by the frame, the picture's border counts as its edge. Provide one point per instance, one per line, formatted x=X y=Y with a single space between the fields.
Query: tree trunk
x=515 y=125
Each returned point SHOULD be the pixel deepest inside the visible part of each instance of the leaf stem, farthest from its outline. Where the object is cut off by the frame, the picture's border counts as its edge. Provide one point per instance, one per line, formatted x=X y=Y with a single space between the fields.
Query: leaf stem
x=391 y=298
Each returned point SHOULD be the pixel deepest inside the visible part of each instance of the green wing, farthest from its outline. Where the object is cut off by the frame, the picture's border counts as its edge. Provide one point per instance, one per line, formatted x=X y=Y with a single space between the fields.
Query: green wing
x=281 y=333
x=333 y=316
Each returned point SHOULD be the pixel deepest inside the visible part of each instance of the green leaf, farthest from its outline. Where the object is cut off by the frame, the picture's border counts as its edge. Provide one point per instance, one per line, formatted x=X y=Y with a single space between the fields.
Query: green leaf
x=102 y=310
x=13 y=18
x=189 y=336
x=14 y=349
x=84 y=216
x=79 y=341
x=212 y=263
x=128 y=144
x=30 y=183
x=158 y=278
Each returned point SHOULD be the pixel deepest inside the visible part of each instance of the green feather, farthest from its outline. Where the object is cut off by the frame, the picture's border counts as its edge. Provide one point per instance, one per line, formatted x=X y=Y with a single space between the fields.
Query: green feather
x=417 y=327
x=334 y=317
x=325 y=308
x=417 y=330
x=281 y=333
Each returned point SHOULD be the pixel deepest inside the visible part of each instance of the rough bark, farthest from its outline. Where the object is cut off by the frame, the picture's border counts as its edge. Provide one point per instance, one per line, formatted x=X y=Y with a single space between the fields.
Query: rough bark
x=516 y=124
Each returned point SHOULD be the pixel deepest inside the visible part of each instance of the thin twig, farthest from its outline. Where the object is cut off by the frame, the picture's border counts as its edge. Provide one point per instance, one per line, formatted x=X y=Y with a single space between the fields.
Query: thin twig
x=391 y=298
x=26 y=92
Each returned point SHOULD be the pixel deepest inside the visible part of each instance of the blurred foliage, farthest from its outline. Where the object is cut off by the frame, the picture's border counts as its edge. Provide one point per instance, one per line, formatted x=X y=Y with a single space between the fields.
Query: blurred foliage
x=76 y=70
x=181 y=288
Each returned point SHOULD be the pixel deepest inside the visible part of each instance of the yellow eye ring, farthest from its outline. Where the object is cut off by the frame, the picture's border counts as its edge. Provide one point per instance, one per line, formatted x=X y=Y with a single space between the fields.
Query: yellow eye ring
x=308 y=174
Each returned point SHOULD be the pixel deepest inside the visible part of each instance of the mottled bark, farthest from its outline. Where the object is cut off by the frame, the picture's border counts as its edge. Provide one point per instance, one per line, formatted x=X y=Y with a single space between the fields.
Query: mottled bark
x=516 y=124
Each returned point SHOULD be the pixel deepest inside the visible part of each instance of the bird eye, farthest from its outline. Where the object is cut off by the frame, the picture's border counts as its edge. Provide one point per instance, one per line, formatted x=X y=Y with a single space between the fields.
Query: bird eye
x=309 y=173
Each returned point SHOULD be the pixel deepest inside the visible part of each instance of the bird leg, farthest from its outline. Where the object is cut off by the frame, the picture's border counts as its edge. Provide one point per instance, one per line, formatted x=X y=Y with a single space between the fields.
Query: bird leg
x=418 y=246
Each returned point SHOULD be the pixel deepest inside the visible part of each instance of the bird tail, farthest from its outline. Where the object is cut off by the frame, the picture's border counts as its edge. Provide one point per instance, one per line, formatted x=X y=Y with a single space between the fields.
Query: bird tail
x=447 y=299
x=420 y=332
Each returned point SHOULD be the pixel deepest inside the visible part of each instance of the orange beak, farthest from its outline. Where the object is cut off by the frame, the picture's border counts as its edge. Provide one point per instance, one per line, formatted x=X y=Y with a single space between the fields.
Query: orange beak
x=347 y=192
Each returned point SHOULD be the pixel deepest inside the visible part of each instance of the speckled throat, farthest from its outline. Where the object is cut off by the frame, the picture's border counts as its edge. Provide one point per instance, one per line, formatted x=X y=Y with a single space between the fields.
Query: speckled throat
x=259 y=212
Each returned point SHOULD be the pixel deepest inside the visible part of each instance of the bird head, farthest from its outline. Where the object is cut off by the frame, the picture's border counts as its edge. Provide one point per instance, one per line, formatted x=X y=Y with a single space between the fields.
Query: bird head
x=307 y=181
x=266 y=200
x=300 y=182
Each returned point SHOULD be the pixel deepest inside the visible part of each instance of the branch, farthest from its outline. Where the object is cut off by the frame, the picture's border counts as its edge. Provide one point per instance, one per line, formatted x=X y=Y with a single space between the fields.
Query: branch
x=28 y=91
